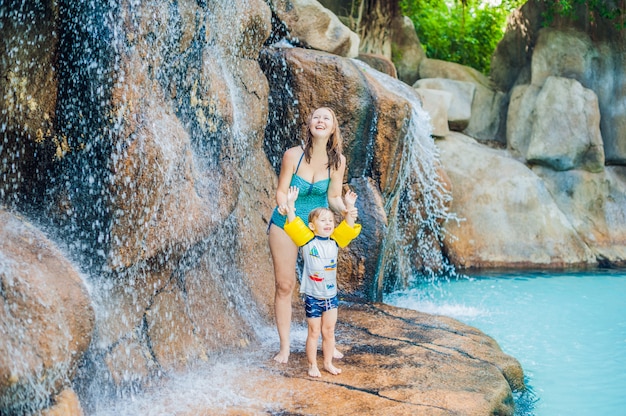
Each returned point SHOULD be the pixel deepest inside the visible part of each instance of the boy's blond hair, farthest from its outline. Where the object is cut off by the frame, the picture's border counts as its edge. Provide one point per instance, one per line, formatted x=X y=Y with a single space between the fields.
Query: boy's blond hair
x=313 y=215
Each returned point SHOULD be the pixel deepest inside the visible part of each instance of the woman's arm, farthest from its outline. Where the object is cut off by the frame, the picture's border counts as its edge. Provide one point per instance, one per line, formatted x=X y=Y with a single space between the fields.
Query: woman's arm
x=287 y=168
x=335 y=188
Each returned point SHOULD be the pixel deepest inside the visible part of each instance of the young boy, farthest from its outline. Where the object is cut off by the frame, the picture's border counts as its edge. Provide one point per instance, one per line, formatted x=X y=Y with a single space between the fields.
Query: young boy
x=320 y=243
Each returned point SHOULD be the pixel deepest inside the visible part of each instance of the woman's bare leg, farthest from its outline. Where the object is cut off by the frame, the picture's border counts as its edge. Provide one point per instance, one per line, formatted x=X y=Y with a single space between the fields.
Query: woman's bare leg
x=284 y=256
x=313 y=336
x=329 y=320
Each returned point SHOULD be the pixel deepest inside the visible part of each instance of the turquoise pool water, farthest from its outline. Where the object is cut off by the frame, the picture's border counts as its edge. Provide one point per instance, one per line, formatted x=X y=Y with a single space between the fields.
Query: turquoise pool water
x=568 y=330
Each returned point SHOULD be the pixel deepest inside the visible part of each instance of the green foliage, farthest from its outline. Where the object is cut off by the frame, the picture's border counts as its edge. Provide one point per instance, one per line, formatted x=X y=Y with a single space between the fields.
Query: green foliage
x=465 y=32
x=468 y=31
x=610 y=10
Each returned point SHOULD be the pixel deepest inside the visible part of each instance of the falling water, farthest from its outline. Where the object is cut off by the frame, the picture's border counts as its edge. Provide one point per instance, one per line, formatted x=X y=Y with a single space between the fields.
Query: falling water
x=101 y=176
x=26 y=30
x=122 y=180
x=201 y=268
x=417 y=202
x=24 y=393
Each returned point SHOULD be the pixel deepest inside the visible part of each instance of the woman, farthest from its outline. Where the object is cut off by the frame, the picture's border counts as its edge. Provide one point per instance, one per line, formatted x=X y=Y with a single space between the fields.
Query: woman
x=317 y=169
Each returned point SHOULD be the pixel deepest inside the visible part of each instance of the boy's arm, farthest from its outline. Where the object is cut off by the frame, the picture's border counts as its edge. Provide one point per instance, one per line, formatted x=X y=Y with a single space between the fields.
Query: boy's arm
x=347 y=230
x=351 y=212
x=292 y=195
x=343 y=234
x=295 y=228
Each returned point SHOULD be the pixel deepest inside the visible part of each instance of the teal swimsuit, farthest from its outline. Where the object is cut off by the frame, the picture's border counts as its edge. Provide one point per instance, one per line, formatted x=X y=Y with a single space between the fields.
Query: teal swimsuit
x=311 y=196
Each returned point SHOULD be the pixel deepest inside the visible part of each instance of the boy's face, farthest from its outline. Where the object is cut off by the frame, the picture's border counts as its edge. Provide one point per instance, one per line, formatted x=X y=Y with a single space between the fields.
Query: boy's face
x=323 y=225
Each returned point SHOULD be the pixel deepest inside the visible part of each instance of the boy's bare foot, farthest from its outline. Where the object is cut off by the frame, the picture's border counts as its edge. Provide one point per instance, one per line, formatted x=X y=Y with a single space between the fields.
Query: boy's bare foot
x=282 y=357
x=332 y=369
x=314 y=372
x=337 y=355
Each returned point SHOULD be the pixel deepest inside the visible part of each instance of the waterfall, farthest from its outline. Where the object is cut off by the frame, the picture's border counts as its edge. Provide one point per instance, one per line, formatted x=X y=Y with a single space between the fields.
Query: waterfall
x=190 y=299
x=143 y=159
x=147 y=135
x=416 y=204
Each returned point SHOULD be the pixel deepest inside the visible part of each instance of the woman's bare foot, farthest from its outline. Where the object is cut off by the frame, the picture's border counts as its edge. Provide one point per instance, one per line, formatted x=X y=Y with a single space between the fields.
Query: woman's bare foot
x=332 y=369
x=314 y=372
x=337 y=355
x=282 y=357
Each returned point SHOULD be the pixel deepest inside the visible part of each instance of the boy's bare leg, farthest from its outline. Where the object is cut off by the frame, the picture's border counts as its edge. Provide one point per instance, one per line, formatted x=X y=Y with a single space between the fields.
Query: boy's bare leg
x=313 y=336
x=337 y=355
x=314 y=371
x=329 y=320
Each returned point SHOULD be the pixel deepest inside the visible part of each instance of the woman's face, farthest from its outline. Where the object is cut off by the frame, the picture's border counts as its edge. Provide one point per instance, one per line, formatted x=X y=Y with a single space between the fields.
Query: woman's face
x=322 y=123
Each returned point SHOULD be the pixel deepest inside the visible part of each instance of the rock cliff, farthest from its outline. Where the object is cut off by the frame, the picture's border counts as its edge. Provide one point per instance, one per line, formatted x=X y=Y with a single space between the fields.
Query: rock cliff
x=140 y=140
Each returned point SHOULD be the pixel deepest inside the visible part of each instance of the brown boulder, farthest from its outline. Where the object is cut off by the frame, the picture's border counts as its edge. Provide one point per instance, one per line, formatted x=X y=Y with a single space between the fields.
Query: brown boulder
x=406 y=50
x=508 y=217
x=355 y=274
x=379 y=63
x=310 y=24
x=65 y=404
x=46 y=318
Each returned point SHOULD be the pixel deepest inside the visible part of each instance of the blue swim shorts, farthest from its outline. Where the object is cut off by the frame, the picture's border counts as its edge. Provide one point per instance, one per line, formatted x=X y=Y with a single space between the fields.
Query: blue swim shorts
x=316 y=307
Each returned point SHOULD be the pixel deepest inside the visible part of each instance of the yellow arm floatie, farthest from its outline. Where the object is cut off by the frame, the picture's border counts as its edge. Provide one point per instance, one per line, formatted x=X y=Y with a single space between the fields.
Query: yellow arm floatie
x=299 y=232
x=343 y=234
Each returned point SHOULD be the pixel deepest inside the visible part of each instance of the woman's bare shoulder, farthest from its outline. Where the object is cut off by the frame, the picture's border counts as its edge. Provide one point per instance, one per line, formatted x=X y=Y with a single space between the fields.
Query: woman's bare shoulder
x=290 y=159
x=293 y=153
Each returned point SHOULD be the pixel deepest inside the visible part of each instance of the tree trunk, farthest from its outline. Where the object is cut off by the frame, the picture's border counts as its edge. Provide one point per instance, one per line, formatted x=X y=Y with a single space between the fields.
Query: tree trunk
x=374 y=23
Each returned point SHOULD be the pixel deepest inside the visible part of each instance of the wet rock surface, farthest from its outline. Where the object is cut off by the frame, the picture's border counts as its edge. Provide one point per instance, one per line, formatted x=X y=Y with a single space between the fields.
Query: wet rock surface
x=46 y=319
x=397 y=362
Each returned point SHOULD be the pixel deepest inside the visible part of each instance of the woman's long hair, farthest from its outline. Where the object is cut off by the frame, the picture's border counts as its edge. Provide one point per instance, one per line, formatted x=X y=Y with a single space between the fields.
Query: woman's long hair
x=334 y=147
